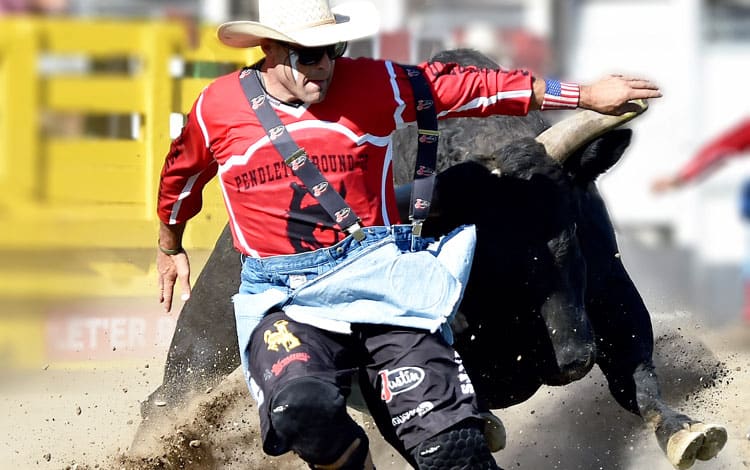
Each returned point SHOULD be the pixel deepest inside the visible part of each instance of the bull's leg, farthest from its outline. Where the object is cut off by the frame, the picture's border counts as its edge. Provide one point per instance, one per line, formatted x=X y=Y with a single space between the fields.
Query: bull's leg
x=625 y=345
x=204 y=345
x=683 y=439
x=625 y=342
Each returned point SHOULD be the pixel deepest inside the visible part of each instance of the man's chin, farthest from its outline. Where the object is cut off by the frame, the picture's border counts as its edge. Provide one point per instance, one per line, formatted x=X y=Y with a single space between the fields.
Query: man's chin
x=315 y=97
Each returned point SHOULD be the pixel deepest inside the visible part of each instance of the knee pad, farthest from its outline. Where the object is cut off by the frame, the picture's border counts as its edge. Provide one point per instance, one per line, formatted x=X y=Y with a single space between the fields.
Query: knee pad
x=460 y=447
x=309 y=416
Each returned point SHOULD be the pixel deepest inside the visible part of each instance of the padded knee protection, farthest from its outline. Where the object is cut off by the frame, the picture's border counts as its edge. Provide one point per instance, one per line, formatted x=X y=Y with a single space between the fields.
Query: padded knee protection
x=310 y=417
x=460 y=447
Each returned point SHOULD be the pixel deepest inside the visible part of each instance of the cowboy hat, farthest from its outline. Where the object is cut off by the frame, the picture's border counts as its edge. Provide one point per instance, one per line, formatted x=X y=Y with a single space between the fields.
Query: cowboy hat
x=309 y=23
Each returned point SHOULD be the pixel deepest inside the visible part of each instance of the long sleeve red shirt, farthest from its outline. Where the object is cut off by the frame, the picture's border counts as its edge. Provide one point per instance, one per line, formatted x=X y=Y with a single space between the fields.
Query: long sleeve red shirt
x=348 y=135
x=728 y=144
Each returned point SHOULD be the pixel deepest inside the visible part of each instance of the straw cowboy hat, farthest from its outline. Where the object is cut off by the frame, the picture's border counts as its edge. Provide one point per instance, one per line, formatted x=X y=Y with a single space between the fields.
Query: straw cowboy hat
x=309 y=23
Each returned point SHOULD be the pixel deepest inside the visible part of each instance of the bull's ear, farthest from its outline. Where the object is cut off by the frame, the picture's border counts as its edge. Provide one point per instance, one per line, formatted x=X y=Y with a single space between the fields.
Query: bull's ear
x=586 y=164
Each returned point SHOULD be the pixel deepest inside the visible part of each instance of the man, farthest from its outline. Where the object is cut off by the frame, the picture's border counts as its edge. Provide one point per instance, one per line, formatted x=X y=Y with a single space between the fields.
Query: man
x=299 y=368
x=730 y=143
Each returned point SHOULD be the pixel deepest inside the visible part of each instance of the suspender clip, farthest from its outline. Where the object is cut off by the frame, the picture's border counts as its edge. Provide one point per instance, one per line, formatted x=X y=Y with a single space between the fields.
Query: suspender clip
x=416 y=228
x=355 y=230
x=416 y=234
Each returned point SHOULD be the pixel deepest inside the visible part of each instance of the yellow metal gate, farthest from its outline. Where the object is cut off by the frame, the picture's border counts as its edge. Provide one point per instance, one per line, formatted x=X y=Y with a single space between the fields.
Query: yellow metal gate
x=77 y=208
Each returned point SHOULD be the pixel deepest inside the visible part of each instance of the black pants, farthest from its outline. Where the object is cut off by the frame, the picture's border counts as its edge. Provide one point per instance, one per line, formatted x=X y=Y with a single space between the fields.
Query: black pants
x=413 y=382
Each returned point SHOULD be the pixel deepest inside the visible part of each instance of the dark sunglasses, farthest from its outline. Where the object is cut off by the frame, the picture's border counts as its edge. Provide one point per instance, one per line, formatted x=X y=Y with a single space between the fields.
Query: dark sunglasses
x=313 y=55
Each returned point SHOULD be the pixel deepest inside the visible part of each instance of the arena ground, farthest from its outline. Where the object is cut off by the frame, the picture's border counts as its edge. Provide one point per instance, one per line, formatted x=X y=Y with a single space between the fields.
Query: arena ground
x=86 y=415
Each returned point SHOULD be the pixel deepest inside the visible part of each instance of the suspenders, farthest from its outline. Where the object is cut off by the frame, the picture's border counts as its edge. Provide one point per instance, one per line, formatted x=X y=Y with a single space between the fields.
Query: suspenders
x=427 y=147
x=318 y=186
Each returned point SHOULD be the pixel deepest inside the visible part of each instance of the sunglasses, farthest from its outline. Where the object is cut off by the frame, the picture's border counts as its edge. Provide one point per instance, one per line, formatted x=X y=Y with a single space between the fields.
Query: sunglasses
x=313 y=55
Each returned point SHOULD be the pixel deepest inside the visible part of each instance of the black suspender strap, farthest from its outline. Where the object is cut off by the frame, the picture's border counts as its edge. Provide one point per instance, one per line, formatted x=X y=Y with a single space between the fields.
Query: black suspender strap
x=427 y=147
x=296 y=158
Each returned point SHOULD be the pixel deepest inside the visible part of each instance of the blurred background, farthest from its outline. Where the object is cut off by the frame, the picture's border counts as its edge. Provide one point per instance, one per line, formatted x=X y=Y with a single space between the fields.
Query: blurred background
x=92 y=92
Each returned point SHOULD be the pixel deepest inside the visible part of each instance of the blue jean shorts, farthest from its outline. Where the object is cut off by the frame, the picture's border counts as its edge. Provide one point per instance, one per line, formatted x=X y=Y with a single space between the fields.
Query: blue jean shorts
x=379 y=280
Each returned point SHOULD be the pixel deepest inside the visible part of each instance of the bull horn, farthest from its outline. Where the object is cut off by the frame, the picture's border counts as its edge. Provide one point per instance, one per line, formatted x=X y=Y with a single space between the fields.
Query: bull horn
x=565 y=137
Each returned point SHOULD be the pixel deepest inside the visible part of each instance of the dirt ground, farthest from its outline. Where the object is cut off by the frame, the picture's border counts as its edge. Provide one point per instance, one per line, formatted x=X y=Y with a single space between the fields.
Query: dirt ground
x=84 y=418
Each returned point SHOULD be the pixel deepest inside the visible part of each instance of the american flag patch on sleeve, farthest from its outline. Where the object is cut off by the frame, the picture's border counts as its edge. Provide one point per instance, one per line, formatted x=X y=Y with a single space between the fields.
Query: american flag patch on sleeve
x=560 y=95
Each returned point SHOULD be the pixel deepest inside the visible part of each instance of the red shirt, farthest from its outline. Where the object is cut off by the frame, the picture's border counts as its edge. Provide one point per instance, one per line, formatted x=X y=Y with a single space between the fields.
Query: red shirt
x=348 y=135
x=730 y=143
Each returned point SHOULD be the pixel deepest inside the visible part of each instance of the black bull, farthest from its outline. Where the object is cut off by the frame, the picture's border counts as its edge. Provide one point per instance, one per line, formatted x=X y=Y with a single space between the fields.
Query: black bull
x=548 y=295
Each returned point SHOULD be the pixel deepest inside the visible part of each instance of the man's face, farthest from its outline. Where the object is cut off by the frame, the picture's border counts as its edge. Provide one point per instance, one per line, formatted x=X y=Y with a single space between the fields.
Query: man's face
x=304 y=73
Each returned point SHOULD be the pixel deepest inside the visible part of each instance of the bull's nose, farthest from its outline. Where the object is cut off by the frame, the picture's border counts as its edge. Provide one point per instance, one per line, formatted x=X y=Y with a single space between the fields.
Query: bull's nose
x=574 y=361
x=572 y=339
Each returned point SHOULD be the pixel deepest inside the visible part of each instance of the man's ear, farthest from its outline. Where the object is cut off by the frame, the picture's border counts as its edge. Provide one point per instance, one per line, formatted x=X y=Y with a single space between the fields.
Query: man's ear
x=266 y=45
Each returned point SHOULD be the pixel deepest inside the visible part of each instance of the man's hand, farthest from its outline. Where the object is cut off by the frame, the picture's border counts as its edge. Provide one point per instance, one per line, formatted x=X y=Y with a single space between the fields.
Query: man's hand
x=665 y=183
x=611 y=94
x=172 y=269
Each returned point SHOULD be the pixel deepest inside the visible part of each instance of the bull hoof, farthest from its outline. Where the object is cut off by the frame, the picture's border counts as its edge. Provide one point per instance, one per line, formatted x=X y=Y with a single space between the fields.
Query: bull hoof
x=683 y=447
x=494 y=431
x=697 y=441
x=715 y=436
